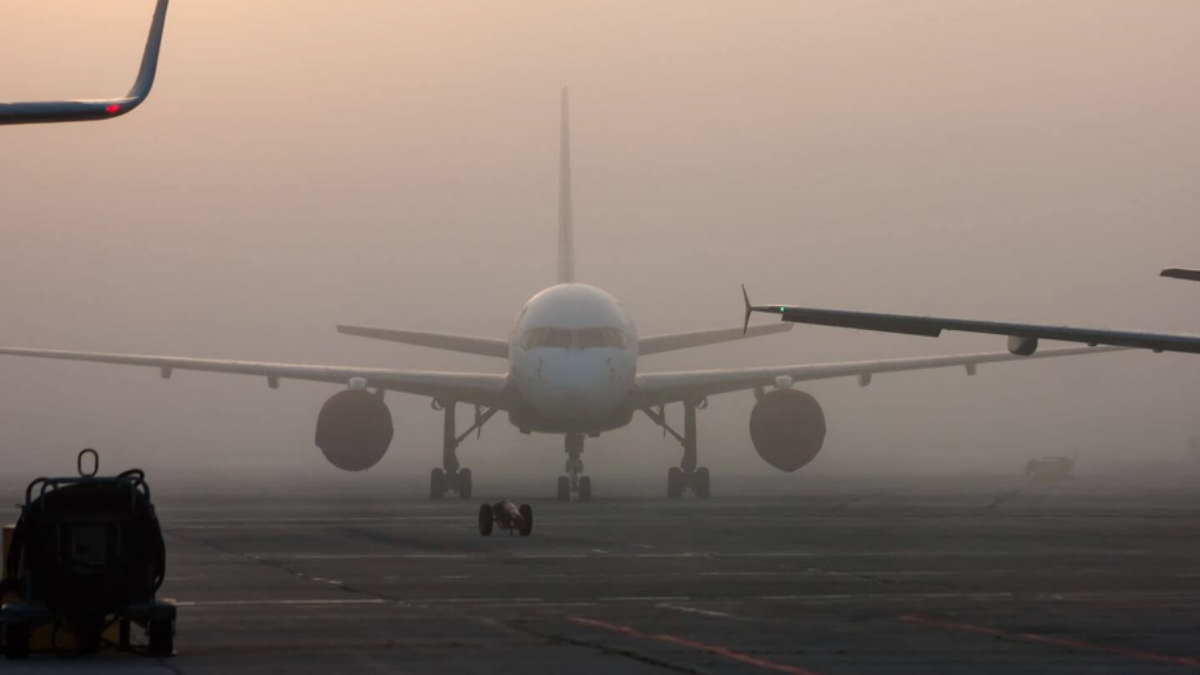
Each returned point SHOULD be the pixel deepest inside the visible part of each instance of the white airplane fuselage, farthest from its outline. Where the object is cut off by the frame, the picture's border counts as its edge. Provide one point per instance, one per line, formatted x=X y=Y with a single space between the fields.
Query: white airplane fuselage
x=572 y=360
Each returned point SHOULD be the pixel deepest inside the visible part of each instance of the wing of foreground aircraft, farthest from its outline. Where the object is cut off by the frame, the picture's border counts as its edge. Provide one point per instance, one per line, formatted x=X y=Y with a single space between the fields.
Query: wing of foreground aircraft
x=95 y=109
x=1022 y=337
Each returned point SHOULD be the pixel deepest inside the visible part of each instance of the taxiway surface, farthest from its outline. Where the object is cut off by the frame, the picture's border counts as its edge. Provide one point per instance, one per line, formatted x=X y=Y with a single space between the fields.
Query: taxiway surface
x=855 y=578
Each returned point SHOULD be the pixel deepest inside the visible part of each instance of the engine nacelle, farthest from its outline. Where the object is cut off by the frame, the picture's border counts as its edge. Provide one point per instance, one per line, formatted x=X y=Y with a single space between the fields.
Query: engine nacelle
x=1022 y=346
x=788 y=428
x=354 y=429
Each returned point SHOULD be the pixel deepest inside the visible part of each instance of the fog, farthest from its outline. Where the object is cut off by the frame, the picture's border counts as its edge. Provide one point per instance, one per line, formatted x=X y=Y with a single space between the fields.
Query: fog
x=300 y=165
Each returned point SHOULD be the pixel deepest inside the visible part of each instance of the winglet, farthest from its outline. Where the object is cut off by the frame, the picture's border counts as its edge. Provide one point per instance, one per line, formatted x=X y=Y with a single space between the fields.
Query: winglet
x=749 y=309
x=96 y=109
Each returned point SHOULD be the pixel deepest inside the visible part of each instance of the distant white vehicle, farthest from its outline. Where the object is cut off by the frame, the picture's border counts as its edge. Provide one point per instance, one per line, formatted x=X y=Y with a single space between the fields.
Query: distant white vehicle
x=572 y=357
x=39 y=112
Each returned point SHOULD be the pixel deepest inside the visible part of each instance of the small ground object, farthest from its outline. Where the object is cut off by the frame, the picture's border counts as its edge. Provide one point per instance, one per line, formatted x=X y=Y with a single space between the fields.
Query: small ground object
x=506 y=515
x=86 y=558
x=1050 y=468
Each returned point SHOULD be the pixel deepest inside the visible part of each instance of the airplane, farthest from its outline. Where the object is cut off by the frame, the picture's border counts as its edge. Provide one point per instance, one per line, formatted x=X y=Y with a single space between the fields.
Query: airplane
x=573 y=369
x=37 y=112
x=1022 y=337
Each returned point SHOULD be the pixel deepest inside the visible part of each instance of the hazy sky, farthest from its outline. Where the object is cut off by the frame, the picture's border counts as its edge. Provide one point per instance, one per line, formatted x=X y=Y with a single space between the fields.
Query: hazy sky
x=300 y=164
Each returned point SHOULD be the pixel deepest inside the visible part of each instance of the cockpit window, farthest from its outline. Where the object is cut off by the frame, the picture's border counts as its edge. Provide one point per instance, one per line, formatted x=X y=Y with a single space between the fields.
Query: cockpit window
x=566 y=338
x=591 y=338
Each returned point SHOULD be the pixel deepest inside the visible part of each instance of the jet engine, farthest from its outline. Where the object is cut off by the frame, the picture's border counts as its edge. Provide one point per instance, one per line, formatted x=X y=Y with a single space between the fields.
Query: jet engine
x=788 y=428
x=354 y=429
x=1022 y=346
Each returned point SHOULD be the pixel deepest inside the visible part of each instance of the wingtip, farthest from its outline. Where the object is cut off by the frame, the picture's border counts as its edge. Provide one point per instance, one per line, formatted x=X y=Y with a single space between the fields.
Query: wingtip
x=749 y=309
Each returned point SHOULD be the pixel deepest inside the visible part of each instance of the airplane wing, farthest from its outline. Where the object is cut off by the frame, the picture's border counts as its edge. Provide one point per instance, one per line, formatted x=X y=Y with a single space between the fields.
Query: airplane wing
x=487 y=389
x=656 y=344
x=1023 y=337
x=669 y=387
x=95 y=109
x=1181 y=273
x=454 y=343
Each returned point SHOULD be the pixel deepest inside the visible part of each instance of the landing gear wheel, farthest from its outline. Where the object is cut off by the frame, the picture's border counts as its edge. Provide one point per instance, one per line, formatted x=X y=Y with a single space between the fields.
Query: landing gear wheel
x=16 y=640
x=162 y=639
x=464 y=483
x=564 y=489
x=700 y=484
x=674 y=482
x=585 y=488
x=437 y=484
x=486 y=520
x=527 y=520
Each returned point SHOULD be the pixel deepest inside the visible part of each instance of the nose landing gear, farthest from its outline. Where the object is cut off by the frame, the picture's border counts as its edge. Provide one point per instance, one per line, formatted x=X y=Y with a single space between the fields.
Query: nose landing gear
x=574 y=482
x=686 y=476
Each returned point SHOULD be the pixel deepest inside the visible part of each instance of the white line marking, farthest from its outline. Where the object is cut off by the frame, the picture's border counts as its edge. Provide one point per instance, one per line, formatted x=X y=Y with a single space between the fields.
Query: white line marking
x=697 y=610
x=645 y=598
x=250 y=603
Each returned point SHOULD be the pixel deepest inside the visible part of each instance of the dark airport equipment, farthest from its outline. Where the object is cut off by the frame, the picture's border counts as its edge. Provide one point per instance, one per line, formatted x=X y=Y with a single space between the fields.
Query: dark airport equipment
x=508 y=516
x=1050 y=468
x=86 y=559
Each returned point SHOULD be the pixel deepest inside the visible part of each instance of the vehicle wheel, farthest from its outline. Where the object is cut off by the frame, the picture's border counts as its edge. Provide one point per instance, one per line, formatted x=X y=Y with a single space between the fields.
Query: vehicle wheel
x=486 y=520
x=700 y=484
x=674 y=482
x=437 y=484
x=564 y=489
x=16 y=640
x=527 y=518
x=162 y=639
x=464 y=483
x=585 y=488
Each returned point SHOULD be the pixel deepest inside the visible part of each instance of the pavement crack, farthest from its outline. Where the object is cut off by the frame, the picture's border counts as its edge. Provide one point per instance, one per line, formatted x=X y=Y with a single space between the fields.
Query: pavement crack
x=633 y=655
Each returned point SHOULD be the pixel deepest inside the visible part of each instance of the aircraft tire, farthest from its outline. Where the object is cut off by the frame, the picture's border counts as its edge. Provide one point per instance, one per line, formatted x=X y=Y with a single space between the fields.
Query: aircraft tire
x=437 y=484
x=585 y=488
x=700 y=483
x=464 y=483
x=674 y=482
x=16 y=640
x=564 y=489
x=527 y=516
x=486 y=520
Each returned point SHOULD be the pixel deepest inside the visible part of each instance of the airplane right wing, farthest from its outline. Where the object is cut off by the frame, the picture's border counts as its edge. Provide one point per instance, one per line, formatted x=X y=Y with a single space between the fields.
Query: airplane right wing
x=655 y=389
x=656 y=344
x=95 y=109
x=486 y=389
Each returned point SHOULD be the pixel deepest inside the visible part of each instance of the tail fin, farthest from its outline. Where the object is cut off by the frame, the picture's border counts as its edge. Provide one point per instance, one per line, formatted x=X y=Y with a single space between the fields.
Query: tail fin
x=566 y=233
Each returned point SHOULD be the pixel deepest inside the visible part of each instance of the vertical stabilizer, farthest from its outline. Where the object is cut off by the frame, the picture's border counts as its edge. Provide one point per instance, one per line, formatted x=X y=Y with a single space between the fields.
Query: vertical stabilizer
x=566 y=232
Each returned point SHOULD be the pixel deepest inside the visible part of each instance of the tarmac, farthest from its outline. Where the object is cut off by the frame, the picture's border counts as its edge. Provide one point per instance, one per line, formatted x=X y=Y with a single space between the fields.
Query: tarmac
x=949 y=576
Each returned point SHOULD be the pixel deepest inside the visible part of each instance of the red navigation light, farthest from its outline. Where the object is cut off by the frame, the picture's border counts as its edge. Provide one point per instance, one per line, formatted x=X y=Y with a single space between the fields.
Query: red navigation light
x=112 y=108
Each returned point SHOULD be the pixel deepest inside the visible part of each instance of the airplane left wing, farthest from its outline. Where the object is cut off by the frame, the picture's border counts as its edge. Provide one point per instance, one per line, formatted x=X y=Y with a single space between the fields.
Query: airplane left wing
x=488 y=389
x=96 y=109
x=662 y=388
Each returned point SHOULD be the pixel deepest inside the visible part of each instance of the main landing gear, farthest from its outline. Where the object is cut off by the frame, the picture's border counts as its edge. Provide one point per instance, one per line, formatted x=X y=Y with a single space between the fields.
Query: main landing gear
x=686 y=476
x=573 y=482
x=450 y=477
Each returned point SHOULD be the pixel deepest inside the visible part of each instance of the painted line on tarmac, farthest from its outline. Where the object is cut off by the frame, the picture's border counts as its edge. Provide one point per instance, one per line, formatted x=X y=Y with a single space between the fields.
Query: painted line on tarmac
x=697 y=610
x=918 y=619
x=718 y=650
x=252 y=603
